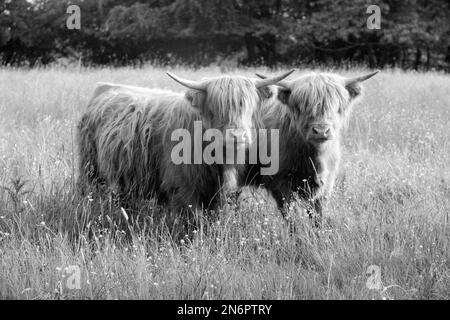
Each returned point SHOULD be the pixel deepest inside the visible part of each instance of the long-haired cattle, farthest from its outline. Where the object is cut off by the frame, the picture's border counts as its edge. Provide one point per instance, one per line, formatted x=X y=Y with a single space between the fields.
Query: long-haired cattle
x=310 y=113
x=124 y=137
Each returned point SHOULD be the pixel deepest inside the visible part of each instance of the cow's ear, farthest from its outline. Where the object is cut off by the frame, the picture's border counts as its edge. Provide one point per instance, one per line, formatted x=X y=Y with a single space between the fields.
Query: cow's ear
x=283 y=95
x=266 y=92
x=269 y=92
x=354 y=89
x=353 y=85
x=195 y=97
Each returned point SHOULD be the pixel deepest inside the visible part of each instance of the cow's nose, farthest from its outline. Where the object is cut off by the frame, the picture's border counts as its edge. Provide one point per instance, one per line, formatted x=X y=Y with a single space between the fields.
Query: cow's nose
x=321 y=131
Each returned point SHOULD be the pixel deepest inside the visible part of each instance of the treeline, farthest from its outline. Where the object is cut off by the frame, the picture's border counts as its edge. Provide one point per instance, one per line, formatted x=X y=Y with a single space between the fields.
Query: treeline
x=414 y=34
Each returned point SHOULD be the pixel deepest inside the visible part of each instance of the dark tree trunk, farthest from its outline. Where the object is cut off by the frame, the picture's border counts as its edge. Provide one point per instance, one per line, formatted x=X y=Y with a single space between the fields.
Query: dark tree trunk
x=405 y=59
x=250 y=46
x=399 y=56
x=266 y=46
x=418 y=58
x=372 y=58
x=447 y=58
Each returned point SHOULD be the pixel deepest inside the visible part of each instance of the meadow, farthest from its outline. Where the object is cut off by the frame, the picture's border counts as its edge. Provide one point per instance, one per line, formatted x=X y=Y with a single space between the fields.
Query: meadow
x=389 y=211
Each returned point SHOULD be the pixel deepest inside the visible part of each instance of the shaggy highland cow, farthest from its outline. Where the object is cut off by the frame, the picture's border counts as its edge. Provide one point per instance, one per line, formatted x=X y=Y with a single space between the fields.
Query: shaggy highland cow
x=125 y=137
x=310 y=113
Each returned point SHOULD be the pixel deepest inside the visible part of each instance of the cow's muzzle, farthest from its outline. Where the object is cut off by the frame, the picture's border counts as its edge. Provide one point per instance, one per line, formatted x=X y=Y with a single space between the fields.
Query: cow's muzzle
x=320 y=133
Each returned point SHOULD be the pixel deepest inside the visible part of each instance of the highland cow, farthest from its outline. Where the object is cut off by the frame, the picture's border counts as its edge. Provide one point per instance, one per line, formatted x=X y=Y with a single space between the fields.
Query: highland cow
x=125 y=137
x=311 y=113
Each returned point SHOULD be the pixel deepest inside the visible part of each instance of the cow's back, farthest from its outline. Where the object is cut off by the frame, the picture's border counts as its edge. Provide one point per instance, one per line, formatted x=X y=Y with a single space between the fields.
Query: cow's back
x=120 y=136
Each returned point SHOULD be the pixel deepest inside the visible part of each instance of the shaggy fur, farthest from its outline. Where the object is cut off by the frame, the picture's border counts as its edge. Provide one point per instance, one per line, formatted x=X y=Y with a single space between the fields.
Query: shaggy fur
x=124 y=139
x=307 y=168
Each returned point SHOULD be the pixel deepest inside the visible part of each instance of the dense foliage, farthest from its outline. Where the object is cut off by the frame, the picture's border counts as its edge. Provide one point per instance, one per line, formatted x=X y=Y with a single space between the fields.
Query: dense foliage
x=413 y=34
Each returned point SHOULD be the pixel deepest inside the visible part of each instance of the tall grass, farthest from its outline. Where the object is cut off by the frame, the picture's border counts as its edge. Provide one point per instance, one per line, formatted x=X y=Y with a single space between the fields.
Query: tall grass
x=390 y=207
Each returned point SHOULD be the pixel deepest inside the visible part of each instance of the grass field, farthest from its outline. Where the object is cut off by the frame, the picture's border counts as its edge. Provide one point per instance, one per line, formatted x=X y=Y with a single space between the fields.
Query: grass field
x=390 y=207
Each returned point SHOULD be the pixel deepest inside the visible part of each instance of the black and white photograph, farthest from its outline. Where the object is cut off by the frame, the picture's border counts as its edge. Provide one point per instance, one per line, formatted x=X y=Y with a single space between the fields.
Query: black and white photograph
x=224 y=154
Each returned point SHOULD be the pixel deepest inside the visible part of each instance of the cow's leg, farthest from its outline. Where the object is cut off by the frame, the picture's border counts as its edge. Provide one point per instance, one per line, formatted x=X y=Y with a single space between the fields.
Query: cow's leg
x=280 y=199
x=283 y=202
x=315 y=212
x=283 y=197
x=233 y=198
x=230 y=189
x=229 y=185
x=185 y=210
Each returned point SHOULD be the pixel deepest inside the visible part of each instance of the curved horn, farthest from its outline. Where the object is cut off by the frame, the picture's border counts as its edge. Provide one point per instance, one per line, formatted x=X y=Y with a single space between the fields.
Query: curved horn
x=264 y=82
x=285 y=84
x=188 y=83
x=360 y=79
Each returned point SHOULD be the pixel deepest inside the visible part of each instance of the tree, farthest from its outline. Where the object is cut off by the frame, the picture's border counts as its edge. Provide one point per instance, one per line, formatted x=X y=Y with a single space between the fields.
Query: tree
x=413 y=34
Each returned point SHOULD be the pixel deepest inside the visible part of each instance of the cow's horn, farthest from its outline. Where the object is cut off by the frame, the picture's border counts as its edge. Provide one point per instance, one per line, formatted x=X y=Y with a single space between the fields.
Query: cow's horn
x=360 y=79
x=284 y=84
x=264 y=82
x=188 y=83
